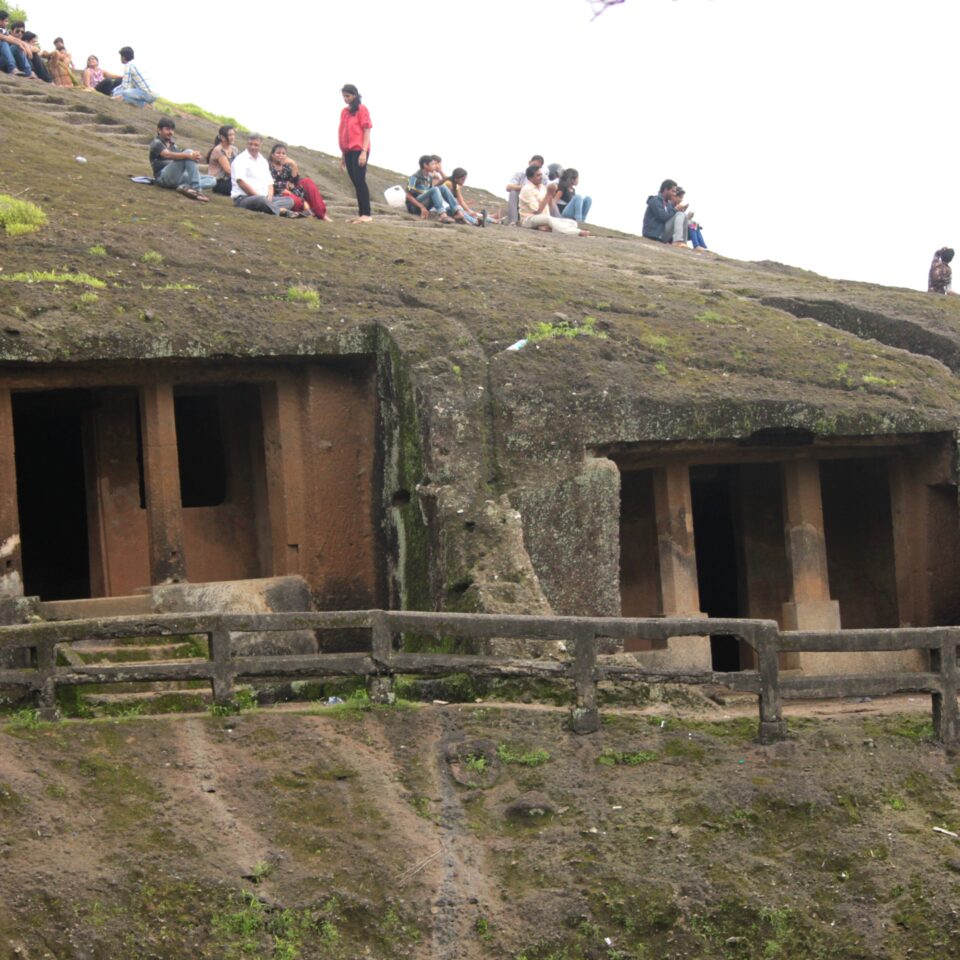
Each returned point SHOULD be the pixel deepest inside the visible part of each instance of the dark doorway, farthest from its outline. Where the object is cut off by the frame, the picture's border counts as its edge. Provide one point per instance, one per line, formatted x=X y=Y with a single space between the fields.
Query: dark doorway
x=712 y=489
x=51 y=491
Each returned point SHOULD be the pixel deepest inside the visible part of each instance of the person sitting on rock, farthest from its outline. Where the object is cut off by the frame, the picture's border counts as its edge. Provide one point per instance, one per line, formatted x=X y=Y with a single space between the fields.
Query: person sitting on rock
x=173 y=168
x=252 y=182
x=219 y=158
x=516 y=184
x=37 y=63
x=423 y=195
x=133 y=87
x=287 y=182
x=664 y=219
x=454 y=183
x=571 y=204
x=694 y=228
x=534 y=205
x=14 y=53
x=941 y=273
x=60 y=62
x=93 y=75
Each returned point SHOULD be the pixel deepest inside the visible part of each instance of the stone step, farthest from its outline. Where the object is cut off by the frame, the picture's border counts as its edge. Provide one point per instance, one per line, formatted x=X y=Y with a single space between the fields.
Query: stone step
x=152 y=701
x=96 y=607
x=101 y=655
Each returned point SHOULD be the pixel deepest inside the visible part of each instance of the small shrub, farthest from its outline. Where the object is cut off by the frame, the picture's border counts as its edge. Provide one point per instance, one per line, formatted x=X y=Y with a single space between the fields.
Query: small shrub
x=27 y=719
x=532 y=758
x=87 y=298
x=50 y=276
x=634 y=758
x=152 y=258
x=18 y=217
x=302 y=294
x=97 y=250
x=566 y=329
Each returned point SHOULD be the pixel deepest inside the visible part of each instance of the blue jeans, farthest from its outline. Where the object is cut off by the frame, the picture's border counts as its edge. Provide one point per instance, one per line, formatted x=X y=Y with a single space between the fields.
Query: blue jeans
x=697 y=237
x=439 y=198
x=262 y=205
x=578 y=208
x=179 y=173
x=13 y=58
x=136 y=96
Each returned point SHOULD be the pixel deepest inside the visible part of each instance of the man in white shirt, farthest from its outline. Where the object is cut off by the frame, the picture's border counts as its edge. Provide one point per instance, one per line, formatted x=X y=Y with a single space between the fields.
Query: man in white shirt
x=252 y=181
x=517 y=182
x=133 y=87
x=534 y=202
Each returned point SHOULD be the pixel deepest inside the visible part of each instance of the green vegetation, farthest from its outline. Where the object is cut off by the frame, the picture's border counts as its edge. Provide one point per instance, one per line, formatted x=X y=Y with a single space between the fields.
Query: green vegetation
x=18 y=217
x=49 y=276
x=27 y=719
x=168 y=106
x=614 y=758
x=916 y=727
x=530 y=758
x=244 y=701
x=152 y=258
x=246 y=925
x=565 y=329
x=871 y=380
x=304 y=294
x=475 y=763
x=716 y=319
x=97 y=250
x=88 y=298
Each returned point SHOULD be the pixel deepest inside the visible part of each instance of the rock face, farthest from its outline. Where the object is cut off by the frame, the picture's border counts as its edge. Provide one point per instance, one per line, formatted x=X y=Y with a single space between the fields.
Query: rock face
x=491 y=479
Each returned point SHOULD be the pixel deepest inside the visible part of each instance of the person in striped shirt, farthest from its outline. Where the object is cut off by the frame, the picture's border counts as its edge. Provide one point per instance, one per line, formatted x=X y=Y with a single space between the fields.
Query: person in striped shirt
x=133 y=87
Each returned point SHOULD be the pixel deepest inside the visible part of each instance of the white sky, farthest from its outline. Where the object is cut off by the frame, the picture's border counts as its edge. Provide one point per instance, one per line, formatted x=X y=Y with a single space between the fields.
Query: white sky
x=819 y=133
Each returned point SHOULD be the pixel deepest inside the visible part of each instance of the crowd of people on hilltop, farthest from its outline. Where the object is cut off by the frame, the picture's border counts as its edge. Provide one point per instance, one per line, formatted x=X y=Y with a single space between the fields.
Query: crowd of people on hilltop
x=22 y=54
x=537 y=198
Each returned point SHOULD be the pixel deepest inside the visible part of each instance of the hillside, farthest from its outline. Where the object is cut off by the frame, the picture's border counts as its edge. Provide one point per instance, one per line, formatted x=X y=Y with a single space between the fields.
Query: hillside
x=477 y=831
x=459 y=832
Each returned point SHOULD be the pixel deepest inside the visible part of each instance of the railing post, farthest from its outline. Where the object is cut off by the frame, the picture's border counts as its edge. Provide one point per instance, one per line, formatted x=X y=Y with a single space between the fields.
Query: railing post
x=380 y=685
x=219 y=640
x=772 y=725
x=585 y=717
x=944 y=660
x=47 y=682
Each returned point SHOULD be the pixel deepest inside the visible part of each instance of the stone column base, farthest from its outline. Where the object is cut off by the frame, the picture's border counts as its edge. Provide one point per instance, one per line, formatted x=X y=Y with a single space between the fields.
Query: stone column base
x=812 y=615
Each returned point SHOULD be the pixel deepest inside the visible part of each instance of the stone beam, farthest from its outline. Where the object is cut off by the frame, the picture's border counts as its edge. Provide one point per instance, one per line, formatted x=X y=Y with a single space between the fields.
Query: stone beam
x=161 y=477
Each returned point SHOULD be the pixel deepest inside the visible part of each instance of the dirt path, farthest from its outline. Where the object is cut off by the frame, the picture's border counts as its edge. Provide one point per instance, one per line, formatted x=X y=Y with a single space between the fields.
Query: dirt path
x=204 y=776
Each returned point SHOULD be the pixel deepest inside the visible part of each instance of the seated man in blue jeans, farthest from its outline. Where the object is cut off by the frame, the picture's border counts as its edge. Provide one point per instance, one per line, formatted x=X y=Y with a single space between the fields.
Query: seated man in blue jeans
x=174 y=168
x=14 y=53
x=133 y=87
x=423 y=196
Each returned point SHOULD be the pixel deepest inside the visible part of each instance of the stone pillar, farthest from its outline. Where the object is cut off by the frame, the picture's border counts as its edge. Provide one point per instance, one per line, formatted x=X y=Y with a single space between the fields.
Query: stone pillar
x=11 y=572
x=679 y=591
x=281 y=404
x=161 y=479
x=908 y=512
x=810 y=606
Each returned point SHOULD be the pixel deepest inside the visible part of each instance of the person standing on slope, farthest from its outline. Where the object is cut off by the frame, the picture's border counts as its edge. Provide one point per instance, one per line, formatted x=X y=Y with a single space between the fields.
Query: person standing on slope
x=355 y=147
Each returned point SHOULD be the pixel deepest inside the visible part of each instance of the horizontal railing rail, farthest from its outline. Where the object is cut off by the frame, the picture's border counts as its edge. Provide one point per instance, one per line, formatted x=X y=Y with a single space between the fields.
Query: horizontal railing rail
x=583 y=666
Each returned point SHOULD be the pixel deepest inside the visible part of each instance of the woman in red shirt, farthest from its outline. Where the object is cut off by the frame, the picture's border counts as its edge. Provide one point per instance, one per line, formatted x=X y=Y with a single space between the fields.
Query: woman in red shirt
x=355 y=147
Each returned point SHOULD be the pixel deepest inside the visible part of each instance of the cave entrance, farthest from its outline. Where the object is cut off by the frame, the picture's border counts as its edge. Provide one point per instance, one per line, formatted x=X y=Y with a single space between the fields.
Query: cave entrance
x=52 y=499
x=714 y=495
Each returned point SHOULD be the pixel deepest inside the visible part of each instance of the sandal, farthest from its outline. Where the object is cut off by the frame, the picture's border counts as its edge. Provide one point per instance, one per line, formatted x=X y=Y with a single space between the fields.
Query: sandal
x=188 y=191
x=443 y=218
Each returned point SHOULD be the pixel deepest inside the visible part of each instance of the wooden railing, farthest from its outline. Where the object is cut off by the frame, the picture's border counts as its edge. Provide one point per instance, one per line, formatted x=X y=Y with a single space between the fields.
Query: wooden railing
x=583 y=667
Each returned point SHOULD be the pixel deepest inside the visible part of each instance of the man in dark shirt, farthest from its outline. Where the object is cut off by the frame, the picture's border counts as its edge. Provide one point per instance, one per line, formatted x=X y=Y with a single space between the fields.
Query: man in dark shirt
x=14 y=53
x=174 y=168
x=665 y=219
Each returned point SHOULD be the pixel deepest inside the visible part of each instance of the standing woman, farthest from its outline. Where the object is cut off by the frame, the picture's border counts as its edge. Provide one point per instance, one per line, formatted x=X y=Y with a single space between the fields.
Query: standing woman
x=355 y=147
